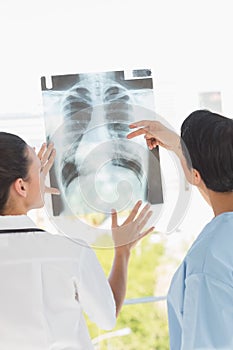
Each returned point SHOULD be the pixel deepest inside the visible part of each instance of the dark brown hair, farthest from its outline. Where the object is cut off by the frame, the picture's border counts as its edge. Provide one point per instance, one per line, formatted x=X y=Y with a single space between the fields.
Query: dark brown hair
x=14 y=164
x=208 y=138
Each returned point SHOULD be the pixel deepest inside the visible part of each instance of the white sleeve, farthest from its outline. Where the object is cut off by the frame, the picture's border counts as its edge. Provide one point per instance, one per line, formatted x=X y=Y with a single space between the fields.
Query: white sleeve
x=94 y=291
x=207 y=314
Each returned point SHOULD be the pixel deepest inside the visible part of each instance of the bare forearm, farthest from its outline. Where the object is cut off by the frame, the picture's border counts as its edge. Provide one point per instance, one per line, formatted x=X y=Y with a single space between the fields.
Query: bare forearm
x=118 y=276
x=125 y=237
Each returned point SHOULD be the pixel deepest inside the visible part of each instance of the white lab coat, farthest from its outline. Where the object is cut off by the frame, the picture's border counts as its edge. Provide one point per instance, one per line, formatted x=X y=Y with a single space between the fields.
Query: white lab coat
x=41 y=277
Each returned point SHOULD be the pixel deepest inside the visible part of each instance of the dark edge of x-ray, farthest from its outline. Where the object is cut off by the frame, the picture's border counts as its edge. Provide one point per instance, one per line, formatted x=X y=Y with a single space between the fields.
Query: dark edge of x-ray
x=71 y=100
x=142 y=73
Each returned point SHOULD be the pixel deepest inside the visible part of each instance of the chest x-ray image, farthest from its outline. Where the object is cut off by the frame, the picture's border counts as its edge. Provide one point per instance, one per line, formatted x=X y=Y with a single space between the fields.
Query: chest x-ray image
x=97 y=168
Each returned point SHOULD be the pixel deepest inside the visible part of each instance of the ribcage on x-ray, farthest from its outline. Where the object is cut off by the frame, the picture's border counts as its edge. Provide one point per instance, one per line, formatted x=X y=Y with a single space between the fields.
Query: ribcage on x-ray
x=77 y=110
x=117 y=108
x=118 y=113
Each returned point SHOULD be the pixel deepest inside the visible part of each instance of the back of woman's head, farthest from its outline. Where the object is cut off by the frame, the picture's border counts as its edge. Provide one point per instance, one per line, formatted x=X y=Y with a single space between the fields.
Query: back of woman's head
x=208 y=138
x=13 y=164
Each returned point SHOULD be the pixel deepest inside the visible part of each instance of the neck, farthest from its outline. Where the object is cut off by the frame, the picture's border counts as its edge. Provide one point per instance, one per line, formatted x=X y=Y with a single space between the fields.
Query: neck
x=221 y=202
x=11 y=208
x=13 y=212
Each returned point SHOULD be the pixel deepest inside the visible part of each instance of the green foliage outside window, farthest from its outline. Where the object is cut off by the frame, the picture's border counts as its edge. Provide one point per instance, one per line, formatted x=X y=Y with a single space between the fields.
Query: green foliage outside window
x=147 y=321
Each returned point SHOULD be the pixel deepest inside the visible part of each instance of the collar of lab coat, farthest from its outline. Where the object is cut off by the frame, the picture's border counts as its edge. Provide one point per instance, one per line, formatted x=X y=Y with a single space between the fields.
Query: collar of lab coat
x=16 y=221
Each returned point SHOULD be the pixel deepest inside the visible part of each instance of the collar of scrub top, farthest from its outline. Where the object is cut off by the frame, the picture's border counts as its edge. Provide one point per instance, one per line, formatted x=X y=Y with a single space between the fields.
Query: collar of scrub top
x=17 y=223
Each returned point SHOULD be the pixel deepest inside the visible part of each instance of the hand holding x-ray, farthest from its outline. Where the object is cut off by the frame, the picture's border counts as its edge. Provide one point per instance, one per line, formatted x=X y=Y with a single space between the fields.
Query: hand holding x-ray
x=130 y=232
x=46 y=156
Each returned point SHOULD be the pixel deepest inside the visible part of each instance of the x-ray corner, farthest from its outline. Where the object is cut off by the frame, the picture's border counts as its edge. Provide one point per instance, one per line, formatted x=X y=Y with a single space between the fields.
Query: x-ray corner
x=87 y=117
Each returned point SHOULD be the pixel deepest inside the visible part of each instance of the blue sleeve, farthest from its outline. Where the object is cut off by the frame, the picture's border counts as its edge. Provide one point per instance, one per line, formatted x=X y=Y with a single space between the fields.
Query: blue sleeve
x=207 y=314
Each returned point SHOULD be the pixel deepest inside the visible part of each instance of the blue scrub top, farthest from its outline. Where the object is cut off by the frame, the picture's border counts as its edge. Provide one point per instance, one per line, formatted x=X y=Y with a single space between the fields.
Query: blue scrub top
x=200 y=298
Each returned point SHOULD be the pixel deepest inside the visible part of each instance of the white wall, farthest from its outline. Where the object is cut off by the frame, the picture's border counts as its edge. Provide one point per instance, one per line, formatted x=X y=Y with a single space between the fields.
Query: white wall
x=186 y=43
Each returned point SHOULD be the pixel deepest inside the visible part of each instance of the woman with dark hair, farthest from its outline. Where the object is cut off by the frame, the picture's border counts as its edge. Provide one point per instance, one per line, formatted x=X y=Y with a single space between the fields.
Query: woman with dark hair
x=200 y=298
x=46 y=279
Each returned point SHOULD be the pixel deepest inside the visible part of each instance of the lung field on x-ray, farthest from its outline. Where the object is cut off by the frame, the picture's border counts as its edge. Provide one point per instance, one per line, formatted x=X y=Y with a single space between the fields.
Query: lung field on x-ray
x=96 y=109
x=78 y=106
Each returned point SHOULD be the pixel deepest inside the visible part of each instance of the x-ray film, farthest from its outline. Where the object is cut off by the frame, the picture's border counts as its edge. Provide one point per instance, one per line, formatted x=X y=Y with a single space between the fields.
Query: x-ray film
x=97 y=168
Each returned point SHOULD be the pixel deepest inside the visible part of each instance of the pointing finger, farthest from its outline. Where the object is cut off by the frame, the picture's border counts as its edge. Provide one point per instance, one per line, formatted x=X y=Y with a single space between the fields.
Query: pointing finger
x=136 y=133
x=143 y=123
